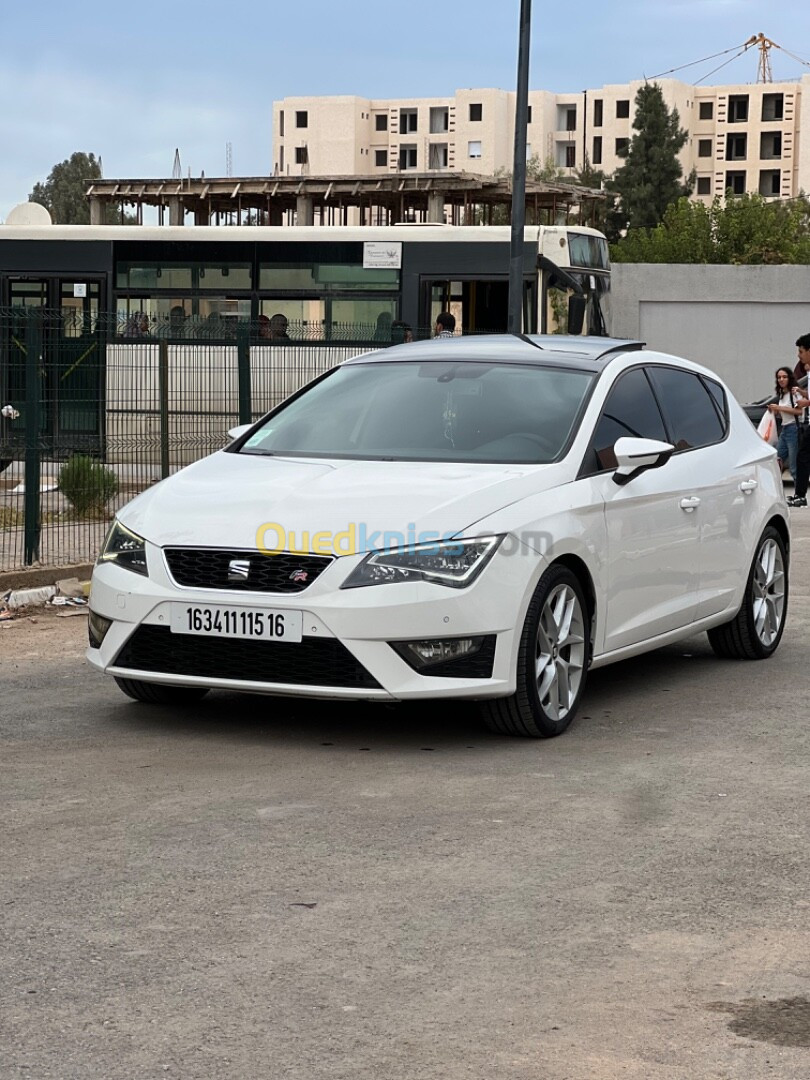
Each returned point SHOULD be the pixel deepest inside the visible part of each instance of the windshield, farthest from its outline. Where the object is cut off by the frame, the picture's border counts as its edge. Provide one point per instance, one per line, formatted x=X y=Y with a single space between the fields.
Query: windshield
x=436 y=411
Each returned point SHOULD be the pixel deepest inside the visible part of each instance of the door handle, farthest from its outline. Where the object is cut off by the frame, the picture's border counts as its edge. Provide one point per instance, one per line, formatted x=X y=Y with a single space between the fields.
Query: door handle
x=689 y=504
x=747 y=486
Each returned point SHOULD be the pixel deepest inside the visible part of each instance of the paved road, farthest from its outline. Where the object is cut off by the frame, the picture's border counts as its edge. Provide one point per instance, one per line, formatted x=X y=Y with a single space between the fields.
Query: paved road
x=260 y=888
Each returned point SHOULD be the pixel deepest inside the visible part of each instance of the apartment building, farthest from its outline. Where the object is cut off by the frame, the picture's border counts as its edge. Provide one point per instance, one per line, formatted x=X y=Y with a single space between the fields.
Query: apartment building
x=744 y=136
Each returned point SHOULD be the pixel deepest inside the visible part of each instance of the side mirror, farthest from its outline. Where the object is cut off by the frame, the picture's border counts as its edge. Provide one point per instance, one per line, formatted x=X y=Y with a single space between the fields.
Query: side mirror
x=577 y=304
x=238 y=432
x=635 y=456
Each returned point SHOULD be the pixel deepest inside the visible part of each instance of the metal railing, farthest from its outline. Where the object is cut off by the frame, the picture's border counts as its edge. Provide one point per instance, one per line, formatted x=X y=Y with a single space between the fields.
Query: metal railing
x=98 y=413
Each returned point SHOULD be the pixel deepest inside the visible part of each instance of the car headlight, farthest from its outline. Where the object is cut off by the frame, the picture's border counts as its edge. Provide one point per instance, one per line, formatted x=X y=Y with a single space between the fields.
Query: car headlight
x=124 y=548
x=455 y=563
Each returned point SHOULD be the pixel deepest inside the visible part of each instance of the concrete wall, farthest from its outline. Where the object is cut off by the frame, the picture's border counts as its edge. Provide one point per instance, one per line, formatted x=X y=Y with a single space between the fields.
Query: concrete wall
x=740 y=321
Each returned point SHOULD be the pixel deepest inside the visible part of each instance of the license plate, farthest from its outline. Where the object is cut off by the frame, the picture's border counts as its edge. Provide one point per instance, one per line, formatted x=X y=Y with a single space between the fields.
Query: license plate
x=219 y=620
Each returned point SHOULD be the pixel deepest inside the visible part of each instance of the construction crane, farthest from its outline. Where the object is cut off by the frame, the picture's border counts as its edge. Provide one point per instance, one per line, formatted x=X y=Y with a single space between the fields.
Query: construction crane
x=764 y=44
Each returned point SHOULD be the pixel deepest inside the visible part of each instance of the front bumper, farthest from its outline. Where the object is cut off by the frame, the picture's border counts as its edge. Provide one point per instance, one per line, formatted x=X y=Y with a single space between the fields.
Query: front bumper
x=345 y=651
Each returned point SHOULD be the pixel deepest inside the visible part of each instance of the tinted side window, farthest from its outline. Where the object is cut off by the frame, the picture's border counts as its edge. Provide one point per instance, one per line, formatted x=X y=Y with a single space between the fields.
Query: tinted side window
x=691 y=416
x=630 y=410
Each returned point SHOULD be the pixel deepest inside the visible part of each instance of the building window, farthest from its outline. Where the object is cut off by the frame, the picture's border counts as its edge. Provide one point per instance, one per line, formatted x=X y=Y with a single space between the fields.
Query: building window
x=704 y=147
x=380 y=158
x=438 y=156
x=381 y=122
x=474 y=149
x=770 y=145
x=570 y=156
x=622 y=110
x=407 y=121
x=704 y=185
x=735 y=183
x=407 y=157
x=737 y=108
x=281 y=124
x=476 y=112
x=621 y=147
x=706 y=110
x=439 y=120
x=770 y=182
x=736 y=147
x=301 y=156
x=773 y=106
x=302 y=119
x=281 y=159
x=571 y=119
x=596 y=156
x=529 y=115
x=598 y=109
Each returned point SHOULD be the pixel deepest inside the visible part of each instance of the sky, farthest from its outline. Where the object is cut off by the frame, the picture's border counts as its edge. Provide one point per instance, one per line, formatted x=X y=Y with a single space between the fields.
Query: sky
x=132 y=83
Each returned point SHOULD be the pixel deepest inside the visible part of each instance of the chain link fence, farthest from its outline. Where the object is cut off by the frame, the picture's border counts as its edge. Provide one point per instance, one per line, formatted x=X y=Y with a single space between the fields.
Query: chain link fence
x=93 y=411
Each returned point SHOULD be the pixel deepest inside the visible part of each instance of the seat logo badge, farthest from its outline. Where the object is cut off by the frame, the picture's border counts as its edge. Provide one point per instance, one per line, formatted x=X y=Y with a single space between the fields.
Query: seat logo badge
x=299 y=575
x=238 y=570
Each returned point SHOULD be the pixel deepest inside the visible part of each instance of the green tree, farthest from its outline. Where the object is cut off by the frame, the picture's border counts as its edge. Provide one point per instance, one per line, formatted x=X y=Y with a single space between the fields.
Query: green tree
x=736 y=230
x=63 y=193
x=651 y=178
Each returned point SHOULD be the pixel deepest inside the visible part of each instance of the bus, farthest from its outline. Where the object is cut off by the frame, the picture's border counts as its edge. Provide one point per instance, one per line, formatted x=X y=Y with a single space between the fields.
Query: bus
x=100 y=300
x=324 y=280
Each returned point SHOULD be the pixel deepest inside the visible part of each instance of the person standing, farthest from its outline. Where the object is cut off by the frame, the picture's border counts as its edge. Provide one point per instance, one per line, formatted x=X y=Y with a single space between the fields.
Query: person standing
x=799 y=497
x=445 y=325
x=786 y=409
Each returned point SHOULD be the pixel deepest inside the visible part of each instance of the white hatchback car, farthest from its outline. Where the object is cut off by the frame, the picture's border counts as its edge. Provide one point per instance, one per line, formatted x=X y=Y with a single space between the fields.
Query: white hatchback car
x=480 y=518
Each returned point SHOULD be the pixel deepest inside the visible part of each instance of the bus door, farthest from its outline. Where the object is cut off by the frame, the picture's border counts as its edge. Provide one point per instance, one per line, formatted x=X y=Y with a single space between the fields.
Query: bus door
x=65 y=311
x=480 y=305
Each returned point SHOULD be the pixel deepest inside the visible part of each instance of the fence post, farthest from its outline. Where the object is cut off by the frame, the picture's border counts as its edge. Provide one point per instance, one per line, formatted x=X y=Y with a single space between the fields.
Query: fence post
x=243 y=373
x=33 y=421
x=163 y=396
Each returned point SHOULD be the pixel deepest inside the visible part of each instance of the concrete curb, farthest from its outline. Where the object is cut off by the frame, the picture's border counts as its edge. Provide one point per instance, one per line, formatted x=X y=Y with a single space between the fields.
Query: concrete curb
x=36 y=577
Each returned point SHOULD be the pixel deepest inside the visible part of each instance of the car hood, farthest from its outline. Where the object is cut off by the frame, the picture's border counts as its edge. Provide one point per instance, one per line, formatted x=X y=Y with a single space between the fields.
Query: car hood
x=245 y=501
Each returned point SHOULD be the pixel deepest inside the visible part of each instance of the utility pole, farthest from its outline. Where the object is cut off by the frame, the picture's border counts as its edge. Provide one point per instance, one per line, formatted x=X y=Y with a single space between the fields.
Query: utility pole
x=514 y=325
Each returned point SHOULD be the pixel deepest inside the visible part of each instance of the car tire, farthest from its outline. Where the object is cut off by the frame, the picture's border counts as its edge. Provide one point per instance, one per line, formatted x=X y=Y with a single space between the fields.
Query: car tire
x=552 y=663
x=158 y=694
x=756 y=630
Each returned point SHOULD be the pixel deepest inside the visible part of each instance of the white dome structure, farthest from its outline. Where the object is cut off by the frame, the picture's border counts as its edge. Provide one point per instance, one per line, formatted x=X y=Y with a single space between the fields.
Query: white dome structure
x=29 y=214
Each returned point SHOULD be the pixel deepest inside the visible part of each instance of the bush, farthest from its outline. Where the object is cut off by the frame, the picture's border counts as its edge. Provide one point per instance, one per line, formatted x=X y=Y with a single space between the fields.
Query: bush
x=87 y=485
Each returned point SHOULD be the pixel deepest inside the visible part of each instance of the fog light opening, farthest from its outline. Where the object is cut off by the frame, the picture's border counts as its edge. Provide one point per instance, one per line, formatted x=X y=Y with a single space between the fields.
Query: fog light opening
x=422 y=654
x=97 y=627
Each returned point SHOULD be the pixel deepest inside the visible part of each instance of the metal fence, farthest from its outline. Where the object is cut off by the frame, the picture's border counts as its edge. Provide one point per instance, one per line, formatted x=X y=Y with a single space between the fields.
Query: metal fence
x=97 y=410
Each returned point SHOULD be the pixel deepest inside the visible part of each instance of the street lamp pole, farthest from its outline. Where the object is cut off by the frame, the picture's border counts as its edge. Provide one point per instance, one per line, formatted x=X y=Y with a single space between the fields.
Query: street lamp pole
x=519 y=173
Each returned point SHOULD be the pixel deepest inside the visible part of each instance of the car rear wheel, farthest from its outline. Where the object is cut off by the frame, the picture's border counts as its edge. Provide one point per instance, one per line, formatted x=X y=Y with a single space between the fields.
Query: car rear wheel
x=756 y=630
x=157 y=694
x=552 y=662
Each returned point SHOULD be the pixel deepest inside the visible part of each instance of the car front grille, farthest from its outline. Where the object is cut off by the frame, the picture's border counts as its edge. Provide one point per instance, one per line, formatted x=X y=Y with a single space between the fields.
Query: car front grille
x=311 y=662
x=244 y=571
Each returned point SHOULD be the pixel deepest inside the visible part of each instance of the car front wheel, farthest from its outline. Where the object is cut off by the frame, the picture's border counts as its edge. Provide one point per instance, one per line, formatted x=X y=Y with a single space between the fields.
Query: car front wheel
x=157 y=694
x=756 y=630
x=552 y=662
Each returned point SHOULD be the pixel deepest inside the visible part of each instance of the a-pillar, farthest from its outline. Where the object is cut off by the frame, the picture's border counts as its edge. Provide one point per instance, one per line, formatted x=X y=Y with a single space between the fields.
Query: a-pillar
x=176 y=215
x=96 y=211
x=304 y=210
x=436 y=208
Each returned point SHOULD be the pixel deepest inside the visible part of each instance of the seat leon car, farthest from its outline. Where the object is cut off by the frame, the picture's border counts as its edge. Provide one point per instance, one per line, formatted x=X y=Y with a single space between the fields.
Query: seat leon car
x=477 y=519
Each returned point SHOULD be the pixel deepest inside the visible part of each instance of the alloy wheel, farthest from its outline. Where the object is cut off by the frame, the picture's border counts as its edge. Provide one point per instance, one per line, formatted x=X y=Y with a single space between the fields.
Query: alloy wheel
x=560 y=652
x=768 y=592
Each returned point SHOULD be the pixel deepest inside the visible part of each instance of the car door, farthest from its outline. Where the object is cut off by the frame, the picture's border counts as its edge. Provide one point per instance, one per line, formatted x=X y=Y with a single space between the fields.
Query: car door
x=652 y=528
x=696 y=414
